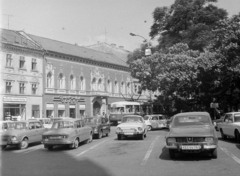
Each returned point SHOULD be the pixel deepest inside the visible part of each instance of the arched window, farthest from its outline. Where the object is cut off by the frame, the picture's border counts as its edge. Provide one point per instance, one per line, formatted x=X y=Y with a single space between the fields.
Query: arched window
x=82 y=83
x=129 y=88
x=116 y=89
x=99 y=84
x=109 y=86
x=94 y=84
x=49 y=80
x=72 y=82
x=122 y=87
x=61 y=81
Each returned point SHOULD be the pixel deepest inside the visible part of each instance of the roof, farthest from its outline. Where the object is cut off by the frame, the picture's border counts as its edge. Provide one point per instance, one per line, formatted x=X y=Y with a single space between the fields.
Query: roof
x=192 y=113
x=17 y=38
x=78 y=51
x=107 y=48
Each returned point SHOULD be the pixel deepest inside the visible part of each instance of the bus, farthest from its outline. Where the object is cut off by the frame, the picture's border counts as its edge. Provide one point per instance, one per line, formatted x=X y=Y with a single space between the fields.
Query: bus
x=122 y=108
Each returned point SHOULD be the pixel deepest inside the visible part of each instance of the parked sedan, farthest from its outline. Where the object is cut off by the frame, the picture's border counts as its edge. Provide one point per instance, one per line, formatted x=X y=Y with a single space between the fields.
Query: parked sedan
x=99 y=125
x=155 y=121
x=132 y=125
x=230 y=126
x=68 y=132
x=24 y=132
x=192 y=132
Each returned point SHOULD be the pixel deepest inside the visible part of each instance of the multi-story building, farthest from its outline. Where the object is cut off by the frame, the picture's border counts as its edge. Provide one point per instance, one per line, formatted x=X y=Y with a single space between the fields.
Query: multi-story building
x=81 y=81
x=21 y=76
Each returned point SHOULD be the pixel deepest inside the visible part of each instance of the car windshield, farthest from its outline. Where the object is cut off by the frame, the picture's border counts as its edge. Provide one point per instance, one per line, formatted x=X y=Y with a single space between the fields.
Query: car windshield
x=92 y=120
x=62 y=124
x=146 y=117
x=19 y=125
x=6 y=126
x=237 y=117
x=131 y=119
x=179 y=121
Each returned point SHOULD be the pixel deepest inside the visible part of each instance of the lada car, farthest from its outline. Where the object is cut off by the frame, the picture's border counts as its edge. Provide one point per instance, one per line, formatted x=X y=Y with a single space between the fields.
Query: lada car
x=132 y=125
x=23 y=133
x=192 y=132
x=47 y=123
x=155 y=121
x=68 y=132
x=99 y=125
x=230 y=126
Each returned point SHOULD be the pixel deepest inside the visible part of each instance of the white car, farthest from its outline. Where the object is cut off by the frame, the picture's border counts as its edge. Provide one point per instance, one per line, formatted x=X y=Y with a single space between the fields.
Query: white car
x=155 y=121
x=230 y=126
x=132 y=125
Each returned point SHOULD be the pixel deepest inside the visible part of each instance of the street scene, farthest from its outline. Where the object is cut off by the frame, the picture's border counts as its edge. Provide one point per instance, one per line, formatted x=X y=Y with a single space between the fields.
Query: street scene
x=115 y=88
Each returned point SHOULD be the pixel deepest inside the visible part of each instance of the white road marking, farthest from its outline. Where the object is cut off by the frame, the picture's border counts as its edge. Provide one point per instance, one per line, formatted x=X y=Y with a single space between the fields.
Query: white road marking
x=90 y=148
x=28 y=150
x=231 y=155
x=149 y=151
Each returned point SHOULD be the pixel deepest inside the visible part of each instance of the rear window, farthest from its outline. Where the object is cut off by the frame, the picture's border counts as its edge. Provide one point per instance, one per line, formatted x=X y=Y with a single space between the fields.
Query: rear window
x=191 y=120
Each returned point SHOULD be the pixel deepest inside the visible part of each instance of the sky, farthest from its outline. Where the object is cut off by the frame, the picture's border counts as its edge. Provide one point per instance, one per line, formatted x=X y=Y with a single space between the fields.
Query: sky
x=87 y=22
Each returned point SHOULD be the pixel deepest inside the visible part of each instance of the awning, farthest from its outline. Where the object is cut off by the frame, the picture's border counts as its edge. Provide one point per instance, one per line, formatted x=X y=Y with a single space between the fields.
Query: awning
x=82 y=107
x=49 y=106
x=61 y=106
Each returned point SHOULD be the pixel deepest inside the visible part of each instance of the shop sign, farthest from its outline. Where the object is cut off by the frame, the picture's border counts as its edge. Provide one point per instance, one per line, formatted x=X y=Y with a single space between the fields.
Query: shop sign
x=15 y=99
x=69 y=99
x=100 y=93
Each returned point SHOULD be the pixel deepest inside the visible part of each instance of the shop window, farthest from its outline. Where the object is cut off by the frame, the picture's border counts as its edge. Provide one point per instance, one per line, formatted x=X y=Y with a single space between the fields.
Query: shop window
x=36 y=111
x=34 y=64
x=61 y=113
x=49 y=113
x=8 y=86
x=22 y=62
x=34 y=89
x=9 y=60
x=21 y=88
x=82 y=83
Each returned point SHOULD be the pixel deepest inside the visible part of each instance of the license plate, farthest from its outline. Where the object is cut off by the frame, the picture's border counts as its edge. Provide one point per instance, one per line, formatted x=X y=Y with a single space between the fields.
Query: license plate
x=190 y=147
x=55 y=137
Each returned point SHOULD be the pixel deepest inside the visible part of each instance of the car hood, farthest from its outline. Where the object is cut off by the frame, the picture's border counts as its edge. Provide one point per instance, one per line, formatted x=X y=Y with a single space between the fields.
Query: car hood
x=63 y=131
x=130 y=125
x=191 y=131
x=13 y=132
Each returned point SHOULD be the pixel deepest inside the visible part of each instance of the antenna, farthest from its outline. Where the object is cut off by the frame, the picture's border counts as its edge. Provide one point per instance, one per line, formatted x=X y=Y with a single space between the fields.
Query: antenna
x=8 y=18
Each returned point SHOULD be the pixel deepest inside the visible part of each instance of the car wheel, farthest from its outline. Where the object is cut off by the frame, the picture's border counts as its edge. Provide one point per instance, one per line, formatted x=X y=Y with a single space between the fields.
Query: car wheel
x=100 y=134
x=149 y=127
x=145 y=135
x=222 y=134
x=214 y=154
x=23 y=144
x=172 y=153
x=50 y=147
x=3 y=147
x=237 y=136
x=119 y=137
x=76 y=144
x=141 y=136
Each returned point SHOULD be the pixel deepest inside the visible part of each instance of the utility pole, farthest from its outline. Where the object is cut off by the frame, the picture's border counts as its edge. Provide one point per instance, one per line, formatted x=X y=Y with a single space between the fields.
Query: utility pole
x=8 y=18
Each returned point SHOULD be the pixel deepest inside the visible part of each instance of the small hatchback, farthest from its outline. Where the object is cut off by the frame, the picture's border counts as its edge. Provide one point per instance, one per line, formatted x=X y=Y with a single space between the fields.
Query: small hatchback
x=155 y=121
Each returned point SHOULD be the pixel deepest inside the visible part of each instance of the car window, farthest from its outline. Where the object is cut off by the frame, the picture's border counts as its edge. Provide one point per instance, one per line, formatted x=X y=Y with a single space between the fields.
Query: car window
x=132 y=119
x=31 y=126
x=237 y=117
x=38 y=125
x=155 y=118
x=227 y=117
x=161 y=118
x=62 y=124
x=77 y=124
x=179 y=121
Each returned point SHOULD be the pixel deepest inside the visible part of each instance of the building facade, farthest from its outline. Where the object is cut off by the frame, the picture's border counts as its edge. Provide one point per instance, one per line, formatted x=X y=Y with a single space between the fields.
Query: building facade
x=21 y=76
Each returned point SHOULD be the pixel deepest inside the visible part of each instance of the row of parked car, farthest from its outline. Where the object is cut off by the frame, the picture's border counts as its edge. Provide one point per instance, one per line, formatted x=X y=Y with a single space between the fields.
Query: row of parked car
x=52 y=132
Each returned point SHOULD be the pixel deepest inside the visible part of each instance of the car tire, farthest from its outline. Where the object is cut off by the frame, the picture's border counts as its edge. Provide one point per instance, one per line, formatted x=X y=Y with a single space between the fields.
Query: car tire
x=222 y=134
x=214 y=154
x=237 y=136
x=23 y=144
x=3 y=147
x=119 y=137
x=145 y=135
x=149 y=127
x=50 y=147
x=141 y=137
x=172 y=153
x=100 y=134
x=76 y=144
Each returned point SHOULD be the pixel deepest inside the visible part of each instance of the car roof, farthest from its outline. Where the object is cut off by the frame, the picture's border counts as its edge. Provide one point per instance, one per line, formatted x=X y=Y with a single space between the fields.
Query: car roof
x=132 y=116
x=192 y=113
x=68 y=119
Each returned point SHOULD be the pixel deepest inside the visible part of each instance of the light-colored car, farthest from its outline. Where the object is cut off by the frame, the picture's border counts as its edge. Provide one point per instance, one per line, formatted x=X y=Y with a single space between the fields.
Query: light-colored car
x=67 y=132
x=24 y=133
x=155 y=121
x=100 y=126
x=132 y=125
x=192 y=132
x=230 y=126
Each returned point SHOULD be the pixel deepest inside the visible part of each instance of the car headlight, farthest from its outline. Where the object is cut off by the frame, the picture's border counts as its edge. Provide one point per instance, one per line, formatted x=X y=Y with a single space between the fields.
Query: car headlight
x=209 y=139
x=171 y=140
x=140 y=128
x=119 y=129
x=14 y=138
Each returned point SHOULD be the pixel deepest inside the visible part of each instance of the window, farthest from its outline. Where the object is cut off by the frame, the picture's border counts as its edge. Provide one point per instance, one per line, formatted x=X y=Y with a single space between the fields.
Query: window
x=82 y=83
x=123 y=87
x=100 y=84
x=9 y=60
x=36 y=111
x=129 y=88
x=38 y=125
x=8 y=86
x=61 y=81
x=34 y=89
x=49 y=80
x=21 y=62
x=21 y=88
x=116 y=89
x=94 y=82
x=34 y=64
x=72 y=82
x=109 y=86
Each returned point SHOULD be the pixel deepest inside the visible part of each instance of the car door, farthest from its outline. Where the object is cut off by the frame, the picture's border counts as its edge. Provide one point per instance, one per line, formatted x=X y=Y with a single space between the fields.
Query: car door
x=230 y=127
x=225 y=124
x=103 y=125
x=31 y=132
x=83 y=130
x=39 y=130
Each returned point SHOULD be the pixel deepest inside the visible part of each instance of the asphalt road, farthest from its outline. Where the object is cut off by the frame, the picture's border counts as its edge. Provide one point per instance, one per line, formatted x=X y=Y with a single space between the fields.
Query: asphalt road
x=111 y=157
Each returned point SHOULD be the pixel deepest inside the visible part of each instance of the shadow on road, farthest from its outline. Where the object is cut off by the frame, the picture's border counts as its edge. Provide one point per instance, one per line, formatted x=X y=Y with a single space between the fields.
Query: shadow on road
x=184 y=156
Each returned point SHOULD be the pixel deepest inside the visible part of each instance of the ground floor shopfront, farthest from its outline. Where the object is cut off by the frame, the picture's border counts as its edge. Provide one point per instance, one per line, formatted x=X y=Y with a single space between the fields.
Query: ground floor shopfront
x=20 y=107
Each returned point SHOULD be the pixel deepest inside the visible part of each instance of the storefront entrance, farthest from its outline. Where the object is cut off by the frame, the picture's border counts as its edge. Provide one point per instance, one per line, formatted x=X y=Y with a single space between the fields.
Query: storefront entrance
x=96 y=108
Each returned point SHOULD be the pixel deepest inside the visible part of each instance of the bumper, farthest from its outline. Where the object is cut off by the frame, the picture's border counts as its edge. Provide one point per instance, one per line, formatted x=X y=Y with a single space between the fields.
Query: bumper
x=57 y=142
x=192 y=147
x=10 y=142
x=130 y=133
